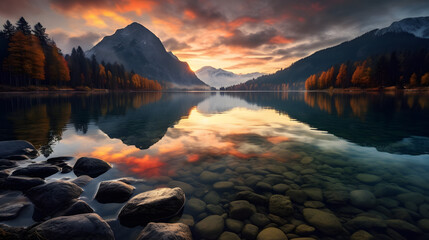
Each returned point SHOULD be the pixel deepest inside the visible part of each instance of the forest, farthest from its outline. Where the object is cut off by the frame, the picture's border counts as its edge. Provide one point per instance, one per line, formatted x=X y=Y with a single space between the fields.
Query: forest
x=396 y=69
x=30 y=60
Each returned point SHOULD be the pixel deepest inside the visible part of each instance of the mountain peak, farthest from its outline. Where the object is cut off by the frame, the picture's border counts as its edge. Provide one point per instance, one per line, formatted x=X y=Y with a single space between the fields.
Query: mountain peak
x=217 y=77
x=141 y=51
x=418 y=26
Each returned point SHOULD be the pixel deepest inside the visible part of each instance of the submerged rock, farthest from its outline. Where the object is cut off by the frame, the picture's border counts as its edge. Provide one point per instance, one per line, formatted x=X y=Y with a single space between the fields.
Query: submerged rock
x=17 y=147
x=241 y=209
x=152 y=206
x=37 y=170
x=280 y=205
x=195 y=205
x=82 y=226
x=114 y=192
x=187 y=188
x=362 y=199
x=252 y=197
x=165 y=231
x=210 y=227
x=249 y=232
x=325 y=222
x=92 y=167
x=271 y=233
x=53 y=197
x=368 y=178
x=361 y=235
x=21 y=183
x=229 y=236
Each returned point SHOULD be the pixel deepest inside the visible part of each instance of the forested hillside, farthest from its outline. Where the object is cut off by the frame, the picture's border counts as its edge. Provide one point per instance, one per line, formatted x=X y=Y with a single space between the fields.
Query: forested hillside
x=31 y=60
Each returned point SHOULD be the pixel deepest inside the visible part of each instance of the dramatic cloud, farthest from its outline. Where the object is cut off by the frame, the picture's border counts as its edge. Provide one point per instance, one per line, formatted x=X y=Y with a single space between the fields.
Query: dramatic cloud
x=172 y=44
x=67 y=43
x=204 y=32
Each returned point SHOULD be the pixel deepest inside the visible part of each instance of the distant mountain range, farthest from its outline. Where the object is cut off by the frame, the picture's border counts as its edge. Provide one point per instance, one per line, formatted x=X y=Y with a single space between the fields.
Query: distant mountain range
x=407 y=34
x=217 y=77
x=139 y=50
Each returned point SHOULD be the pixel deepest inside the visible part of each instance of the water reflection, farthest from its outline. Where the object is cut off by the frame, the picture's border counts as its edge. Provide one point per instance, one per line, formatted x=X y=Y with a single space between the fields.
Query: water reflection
x=390 y=122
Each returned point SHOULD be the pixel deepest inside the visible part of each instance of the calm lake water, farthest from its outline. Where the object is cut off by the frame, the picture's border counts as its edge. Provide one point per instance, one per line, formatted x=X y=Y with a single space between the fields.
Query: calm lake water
x=310 y=146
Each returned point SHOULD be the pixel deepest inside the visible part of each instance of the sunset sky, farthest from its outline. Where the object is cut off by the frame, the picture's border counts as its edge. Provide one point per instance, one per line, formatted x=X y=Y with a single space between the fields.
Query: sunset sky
x=238 y=35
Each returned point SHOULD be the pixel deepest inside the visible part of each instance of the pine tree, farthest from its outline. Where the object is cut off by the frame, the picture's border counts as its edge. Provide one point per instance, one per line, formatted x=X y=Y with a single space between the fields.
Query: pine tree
x=8 y=29
x=23 y=26
x=40 y=32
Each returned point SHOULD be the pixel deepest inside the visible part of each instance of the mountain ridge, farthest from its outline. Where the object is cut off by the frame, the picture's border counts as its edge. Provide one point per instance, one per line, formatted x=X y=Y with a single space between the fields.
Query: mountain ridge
x=141 y=51
x=218 y=77
x=359 y=48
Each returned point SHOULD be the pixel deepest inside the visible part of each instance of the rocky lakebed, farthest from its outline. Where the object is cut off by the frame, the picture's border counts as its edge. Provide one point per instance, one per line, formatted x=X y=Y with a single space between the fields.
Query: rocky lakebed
x=309 y=196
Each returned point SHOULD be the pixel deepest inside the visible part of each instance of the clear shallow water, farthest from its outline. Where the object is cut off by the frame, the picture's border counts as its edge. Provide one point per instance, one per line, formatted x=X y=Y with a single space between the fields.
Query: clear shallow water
x=313 y=141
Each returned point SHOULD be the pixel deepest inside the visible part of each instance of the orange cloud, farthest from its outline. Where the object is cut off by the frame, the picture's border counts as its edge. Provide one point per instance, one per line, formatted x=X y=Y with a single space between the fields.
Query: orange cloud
x=280 y=40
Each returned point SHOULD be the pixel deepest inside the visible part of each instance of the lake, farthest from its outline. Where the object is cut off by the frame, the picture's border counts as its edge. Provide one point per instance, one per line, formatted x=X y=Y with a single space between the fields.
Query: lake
x=362 y=157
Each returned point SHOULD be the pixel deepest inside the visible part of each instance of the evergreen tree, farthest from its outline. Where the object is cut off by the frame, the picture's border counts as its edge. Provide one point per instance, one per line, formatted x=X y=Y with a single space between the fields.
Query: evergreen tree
x=8 y=29
x=23 y=26
x=40 y=32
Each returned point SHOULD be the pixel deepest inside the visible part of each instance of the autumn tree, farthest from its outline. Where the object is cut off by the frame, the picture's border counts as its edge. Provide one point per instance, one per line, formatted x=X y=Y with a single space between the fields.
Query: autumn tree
x=26 y=58
x=57 y=71
x=341 y=78
x=425 y=79
x=413 y=80
x=362 y=75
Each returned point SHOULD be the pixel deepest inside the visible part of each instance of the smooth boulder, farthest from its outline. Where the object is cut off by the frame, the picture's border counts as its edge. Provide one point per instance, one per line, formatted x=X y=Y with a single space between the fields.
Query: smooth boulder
x=92 y=167
x=21 y=183
x=17 y=147
x=53 y=197
x=152 y=206
x=362 y=199
x=210 y=227
x=165 y=231
x=271 y=233
x=114 y=192
x=325 y=222
x=37 y=170
x=280 y=205
x=82 y=226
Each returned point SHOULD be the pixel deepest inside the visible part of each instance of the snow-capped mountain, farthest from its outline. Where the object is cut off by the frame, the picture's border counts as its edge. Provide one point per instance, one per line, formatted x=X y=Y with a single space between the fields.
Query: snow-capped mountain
x=217 y=77
x=419 y=27
x=141 y=51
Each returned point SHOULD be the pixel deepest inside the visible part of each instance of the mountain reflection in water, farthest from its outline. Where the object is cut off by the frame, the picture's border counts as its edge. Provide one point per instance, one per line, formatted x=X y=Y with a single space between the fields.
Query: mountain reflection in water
x=181 y=128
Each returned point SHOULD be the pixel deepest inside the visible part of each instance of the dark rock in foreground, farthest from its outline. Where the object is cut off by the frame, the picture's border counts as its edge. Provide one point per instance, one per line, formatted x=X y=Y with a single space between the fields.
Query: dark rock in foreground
x=82 y=226
x=37 y=170
x=5 y=164
x=17 y=147
x=152 y=206
x=114 y=192
x=78 y=207
x=165 y=231
x=92 y=167
x=53 y=197
x=11 y=210
x=21 y=183
x=82 y=181
x=56 y=160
